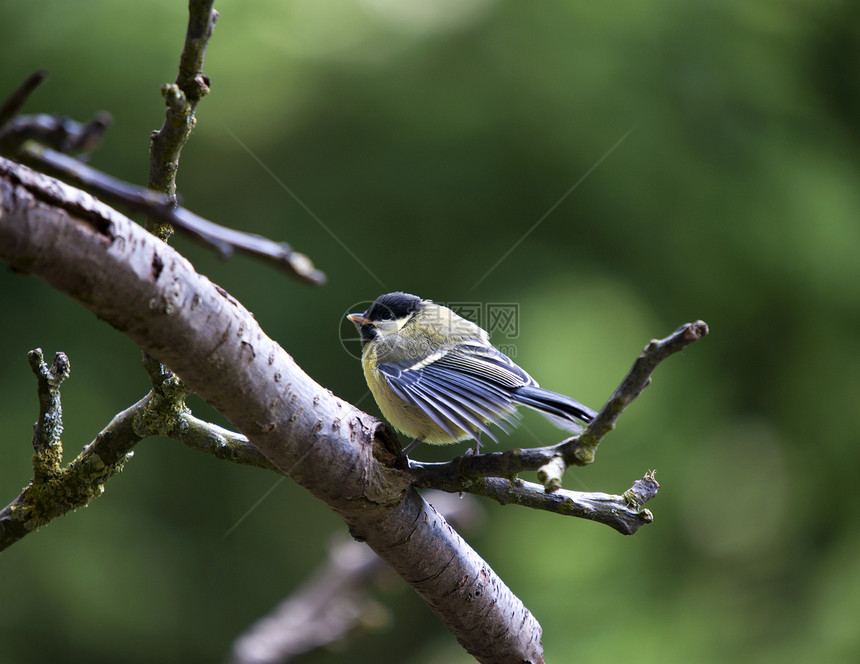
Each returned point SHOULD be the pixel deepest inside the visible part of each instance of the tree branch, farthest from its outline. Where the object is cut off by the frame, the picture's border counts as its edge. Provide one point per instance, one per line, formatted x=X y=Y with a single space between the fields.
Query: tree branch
x=584 y=446
x=162 y=207
x=335 y=600
x=54 y=490
x=49 y=427
x=202 y=436
x=343 y=456
x=165 y=148
x=60 y=133
x=552 y=461
x=26 y=138
x=625 y=516
x=181 y=99
x=63 y=134
x=15 y=102
x=325 y=609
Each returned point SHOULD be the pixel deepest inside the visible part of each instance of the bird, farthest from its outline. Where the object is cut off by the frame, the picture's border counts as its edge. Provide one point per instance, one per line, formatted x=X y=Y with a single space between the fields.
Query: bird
x=437 y=378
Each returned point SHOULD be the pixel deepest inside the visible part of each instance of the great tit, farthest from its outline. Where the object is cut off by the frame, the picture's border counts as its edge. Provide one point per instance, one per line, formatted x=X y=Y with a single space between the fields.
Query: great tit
x=437 y=378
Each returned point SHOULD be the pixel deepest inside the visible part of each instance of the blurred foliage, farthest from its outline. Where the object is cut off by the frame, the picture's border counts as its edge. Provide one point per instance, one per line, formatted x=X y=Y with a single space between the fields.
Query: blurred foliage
x=431 y=139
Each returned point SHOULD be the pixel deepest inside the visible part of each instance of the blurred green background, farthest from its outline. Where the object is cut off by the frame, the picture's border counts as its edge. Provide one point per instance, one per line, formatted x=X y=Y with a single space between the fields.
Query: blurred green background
x=432 y=140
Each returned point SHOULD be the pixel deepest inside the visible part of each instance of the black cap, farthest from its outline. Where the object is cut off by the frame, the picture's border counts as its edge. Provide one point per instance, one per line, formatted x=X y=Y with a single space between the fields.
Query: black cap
x=392 y=306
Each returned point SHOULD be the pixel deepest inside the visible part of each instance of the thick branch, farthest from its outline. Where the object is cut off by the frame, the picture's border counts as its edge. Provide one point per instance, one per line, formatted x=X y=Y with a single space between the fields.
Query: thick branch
x=144 y=288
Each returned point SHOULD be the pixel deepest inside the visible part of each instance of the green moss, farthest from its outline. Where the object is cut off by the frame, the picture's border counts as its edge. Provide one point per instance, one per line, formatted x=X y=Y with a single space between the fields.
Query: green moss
x=75 y=486
x=47 y=462
x=585 y=455
x=163 y=412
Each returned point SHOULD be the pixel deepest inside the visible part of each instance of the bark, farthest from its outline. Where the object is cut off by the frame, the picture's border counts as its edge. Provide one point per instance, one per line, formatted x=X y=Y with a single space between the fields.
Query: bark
x=148 y=291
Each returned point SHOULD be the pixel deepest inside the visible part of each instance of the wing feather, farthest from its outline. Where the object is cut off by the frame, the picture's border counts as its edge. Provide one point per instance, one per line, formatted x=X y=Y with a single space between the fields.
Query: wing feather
x=492 y=405
x=480 y=412
x=409 y=395
x=411 y=386
x=464 y=388
x=486 y=362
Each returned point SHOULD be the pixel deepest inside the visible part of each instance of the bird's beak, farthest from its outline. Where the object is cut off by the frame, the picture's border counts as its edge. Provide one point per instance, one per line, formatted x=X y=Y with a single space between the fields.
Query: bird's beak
x=358 y=319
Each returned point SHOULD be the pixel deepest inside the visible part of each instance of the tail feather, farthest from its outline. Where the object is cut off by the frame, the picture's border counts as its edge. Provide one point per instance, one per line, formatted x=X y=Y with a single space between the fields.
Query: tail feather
x=563 y=411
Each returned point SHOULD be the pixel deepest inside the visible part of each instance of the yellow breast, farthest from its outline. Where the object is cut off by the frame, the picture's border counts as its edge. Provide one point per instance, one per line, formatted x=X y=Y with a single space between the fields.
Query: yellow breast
x=405 y=417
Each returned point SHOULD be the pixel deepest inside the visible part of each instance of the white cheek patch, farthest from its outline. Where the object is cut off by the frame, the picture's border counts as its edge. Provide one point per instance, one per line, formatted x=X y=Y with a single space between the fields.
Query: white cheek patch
x=387 y=327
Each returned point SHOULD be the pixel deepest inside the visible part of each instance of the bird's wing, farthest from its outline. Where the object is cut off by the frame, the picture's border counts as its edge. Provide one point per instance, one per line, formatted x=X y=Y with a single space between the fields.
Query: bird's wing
x=486 y=363
x=465 y=387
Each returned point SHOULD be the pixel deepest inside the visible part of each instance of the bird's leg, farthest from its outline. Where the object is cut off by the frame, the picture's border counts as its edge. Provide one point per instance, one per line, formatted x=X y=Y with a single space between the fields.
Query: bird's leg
x=411 y=446
x=477 y=447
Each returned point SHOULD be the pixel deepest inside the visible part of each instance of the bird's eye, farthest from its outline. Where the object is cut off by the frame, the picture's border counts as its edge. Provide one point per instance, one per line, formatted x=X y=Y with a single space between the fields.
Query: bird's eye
x=387 y=315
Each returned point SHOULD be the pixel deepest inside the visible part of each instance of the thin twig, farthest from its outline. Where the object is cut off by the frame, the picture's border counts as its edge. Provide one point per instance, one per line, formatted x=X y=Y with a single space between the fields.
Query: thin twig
x=642 y=490
x=165 y=148
x=460 y=473
x=584 y=446
x=26 y=138
x=181 y=98
x=58 y=132
x=74 y=486
x=56 y=490
x=139 y=199
x=48 y=429
x=221 y=443
x=15 y=102
x=614 y=511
